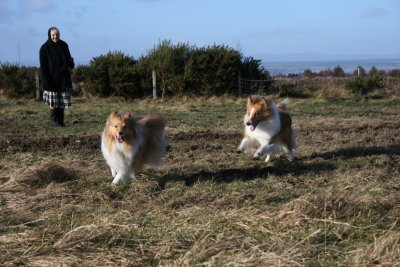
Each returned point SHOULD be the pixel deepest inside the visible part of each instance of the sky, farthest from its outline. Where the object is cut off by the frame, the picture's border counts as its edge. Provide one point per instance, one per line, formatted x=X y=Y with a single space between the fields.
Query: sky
x=270 y=30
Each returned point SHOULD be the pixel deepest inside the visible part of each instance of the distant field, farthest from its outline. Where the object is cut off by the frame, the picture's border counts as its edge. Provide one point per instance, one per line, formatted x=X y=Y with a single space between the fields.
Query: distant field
x=338 y=203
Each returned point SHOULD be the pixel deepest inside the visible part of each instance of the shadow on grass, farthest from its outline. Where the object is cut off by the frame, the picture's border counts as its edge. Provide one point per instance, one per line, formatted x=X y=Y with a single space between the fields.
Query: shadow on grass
x=353 y=152
x=280 y=168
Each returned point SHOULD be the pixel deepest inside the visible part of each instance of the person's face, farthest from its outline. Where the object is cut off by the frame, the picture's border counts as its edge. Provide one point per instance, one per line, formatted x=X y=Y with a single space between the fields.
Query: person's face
x=54 y=35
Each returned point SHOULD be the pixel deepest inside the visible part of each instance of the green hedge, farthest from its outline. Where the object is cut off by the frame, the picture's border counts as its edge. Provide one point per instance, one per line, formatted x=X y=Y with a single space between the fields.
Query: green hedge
x=16 y=81
x=181 y=69
x=364 y=84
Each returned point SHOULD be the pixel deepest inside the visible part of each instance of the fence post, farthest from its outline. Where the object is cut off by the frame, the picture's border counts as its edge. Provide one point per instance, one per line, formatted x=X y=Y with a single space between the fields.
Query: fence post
x=38 y=91
x=153 y=74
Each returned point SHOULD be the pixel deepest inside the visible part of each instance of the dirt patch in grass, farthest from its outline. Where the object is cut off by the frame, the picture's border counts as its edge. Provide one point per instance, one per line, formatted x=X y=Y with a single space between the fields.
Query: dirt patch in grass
x=92 y=142
x=50 y=144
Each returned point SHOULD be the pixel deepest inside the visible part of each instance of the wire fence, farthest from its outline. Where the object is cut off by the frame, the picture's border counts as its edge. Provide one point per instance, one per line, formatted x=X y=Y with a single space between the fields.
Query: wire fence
x=246 y=87
x=259 y=87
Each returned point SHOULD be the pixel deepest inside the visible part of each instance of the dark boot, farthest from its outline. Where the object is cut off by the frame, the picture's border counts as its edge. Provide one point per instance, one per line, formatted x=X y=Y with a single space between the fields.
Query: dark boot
x=53 y=117
x=60 y=115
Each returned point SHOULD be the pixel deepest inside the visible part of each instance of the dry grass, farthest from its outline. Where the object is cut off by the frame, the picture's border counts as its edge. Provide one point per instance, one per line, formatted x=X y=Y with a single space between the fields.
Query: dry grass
x=337 y=204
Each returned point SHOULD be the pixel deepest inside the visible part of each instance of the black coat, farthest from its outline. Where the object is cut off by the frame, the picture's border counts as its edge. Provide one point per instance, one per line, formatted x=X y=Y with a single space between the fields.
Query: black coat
x=55 y=65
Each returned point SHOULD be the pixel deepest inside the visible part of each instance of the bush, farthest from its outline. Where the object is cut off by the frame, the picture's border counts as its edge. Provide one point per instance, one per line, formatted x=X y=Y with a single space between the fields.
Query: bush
x=17 y=81
x=169 y=62
x=291 y=89
x=355 y=84
x=374 y=81
x=80 y=76
x=112 y=75
x=308 y=73
x=81 y=73
x=325 y=73
x=338 y=72
x=394 y=73
x=213 y=70
x=364 y=84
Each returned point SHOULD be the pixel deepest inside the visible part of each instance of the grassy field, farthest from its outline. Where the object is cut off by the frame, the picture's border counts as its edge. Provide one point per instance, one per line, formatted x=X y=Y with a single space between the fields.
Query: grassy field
x=338 y=203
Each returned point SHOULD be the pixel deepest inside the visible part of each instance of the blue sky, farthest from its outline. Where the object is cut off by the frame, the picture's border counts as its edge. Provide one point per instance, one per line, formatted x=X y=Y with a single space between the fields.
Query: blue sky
x=264 y=29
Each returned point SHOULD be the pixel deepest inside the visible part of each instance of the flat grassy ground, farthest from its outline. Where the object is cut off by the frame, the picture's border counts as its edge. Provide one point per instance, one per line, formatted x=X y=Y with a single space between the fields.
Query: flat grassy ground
x=338 y=203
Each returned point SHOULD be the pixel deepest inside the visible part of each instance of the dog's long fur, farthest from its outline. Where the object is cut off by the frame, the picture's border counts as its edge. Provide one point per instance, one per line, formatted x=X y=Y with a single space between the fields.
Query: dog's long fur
x=268 y=128
x=129 y=142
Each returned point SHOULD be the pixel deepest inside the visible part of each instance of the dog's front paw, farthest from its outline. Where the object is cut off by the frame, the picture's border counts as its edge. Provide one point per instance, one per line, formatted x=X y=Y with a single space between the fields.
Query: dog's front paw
x=117 y=180
x=257 y=156
x=239 y=150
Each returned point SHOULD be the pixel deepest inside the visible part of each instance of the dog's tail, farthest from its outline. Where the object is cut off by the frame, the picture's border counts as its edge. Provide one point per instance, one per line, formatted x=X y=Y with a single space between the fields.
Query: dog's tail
x=283 y=104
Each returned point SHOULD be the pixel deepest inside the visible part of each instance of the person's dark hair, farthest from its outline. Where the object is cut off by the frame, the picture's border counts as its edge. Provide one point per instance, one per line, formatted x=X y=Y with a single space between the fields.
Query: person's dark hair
x=49 y=31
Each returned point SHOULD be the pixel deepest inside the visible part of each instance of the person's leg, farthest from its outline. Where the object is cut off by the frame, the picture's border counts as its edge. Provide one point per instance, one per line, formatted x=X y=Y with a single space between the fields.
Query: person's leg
x=53 y=117
x=60 y=116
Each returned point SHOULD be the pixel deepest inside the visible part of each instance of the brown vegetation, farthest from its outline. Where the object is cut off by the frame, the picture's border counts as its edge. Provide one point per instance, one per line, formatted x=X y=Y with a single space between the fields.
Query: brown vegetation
x=337 y=204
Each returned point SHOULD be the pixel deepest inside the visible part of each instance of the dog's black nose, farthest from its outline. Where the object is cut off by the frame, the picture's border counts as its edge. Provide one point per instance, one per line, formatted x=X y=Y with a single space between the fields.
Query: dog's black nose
x=248 y=123
x=121 y=133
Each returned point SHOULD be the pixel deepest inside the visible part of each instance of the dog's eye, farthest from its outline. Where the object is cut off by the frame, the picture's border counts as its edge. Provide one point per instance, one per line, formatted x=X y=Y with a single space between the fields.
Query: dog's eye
x=116 y=126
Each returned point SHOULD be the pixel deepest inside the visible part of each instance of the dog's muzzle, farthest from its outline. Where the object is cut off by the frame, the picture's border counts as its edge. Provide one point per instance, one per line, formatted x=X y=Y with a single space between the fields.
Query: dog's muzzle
x=119 y=137
x=252 y=124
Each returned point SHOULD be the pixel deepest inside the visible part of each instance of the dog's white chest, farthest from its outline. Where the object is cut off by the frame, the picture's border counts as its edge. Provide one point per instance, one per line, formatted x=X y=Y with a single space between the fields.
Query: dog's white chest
x=265 y=130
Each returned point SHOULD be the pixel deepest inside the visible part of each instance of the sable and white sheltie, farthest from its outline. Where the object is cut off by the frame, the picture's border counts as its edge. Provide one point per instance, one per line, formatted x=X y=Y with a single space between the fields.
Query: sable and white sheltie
x=130 y=142
x=268 y=128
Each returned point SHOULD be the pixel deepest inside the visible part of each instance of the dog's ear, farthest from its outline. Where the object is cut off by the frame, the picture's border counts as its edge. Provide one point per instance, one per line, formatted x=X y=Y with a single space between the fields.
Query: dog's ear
x=113 y=114
x=253 y=99
x=269 y=99
x=128 y=115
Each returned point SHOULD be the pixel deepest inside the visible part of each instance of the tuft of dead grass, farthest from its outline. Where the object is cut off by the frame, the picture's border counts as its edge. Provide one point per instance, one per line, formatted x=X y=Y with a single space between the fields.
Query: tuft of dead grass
x=45 y=173
x=384 y=251
x=83 y=235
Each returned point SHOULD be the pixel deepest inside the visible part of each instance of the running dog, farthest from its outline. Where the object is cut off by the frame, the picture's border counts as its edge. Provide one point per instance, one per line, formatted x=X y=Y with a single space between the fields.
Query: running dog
x=129 y=142
x=267 y=128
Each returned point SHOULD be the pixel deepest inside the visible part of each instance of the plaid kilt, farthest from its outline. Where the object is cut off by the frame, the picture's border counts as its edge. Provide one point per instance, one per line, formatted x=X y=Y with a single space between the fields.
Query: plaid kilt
x=58 y=99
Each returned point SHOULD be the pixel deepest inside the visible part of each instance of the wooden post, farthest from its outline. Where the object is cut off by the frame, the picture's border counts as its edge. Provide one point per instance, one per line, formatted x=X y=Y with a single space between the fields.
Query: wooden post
x=358 y=71
x=153 y=73
x=38 y=91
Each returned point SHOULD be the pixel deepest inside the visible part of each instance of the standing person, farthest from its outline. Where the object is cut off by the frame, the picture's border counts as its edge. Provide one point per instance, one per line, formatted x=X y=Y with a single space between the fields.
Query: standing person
x=55 y=65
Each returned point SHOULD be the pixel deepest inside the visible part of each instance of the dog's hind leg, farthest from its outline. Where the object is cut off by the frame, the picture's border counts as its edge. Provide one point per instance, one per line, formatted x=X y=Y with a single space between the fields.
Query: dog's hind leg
x=132 y=176
x=290 y=152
